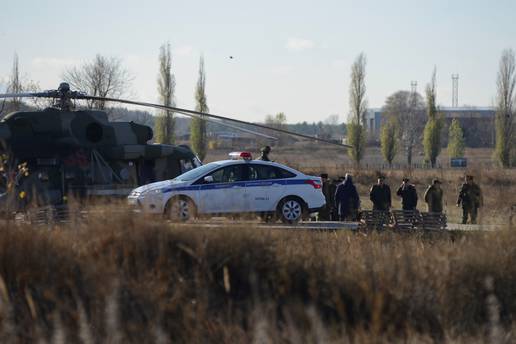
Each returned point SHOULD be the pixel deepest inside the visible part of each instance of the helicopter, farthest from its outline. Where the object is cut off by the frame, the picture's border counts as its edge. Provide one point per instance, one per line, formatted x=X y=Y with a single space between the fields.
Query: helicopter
x=48 y=155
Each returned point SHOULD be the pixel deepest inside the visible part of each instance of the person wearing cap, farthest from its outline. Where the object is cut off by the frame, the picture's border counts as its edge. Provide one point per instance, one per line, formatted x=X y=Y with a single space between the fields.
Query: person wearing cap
x=328 y=189
x=265 y=153
x=434 y=197
x=470 y=197
x=347 y=201
x=408 y=195
x=380 y=195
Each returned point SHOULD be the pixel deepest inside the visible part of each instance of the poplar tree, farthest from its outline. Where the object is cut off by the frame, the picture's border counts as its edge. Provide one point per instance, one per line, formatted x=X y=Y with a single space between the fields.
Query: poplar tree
x=433 y=127
x=456 y=143
x=505 y=111
x=358 y=105
x=388 y=140
x=198 y=124
x=165 y=122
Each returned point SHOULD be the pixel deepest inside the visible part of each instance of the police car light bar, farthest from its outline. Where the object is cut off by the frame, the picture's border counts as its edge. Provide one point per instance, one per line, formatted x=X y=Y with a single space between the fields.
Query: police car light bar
x=240 y=155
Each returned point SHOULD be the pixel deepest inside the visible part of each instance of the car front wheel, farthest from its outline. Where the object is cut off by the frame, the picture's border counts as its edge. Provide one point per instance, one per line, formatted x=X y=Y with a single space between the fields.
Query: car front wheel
x=181 y=209
x=290 y=210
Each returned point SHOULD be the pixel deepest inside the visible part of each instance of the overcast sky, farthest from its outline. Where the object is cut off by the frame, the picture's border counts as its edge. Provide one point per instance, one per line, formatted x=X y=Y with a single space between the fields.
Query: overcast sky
x=289 y=56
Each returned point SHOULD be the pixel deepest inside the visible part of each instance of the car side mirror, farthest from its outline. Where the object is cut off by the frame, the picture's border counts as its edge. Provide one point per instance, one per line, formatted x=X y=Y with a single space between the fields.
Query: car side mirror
x=208 y=179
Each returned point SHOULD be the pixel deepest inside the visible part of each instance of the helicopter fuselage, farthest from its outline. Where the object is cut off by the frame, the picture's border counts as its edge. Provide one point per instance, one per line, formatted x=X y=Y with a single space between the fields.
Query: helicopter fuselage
x=81 y=154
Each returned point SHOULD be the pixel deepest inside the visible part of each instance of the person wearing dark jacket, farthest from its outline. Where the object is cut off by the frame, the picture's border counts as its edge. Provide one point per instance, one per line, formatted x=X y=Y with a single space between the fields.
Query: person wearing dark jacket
x=265 y=153
x=380 y=195
x=347 y=201
x=408 y=195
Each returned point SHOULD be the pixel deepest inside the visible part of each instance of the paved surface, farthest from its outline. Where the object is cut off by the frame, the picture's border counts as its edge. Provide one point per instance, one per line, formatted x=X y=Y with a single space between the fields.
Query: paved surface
x=309 y=225
x=218 y=222
x=322 y=225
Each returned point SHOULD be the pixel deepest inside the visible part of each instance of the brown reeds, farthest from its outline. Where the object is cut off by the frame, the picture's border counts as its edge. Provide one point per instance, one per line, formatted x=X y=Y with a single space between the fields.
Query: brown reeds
x=124 y=278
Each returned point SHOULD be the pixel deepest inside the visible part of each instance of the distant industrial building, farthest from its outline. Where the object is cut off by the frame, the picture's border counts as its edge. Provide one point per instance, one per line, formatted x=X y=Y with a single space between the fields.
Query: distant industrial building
x=478 y=124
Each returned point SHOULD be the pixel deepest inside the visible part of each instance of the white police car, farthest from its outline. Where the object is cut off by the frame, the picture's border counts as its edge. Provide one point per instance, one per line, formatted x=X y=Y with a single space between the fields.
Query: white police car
x=231 y=187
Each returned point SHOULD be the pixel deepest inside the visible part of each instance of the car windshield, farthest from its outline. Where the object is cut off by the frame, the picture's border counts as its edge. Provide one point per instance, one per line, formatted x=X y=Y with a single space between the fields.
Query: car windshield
x=196 y=172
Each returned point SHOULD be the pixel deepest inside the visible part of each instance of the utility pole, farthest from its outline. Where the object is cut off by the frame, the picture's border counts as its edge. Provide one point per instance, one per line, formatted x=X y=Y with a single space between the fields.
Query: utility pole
x=413 y=86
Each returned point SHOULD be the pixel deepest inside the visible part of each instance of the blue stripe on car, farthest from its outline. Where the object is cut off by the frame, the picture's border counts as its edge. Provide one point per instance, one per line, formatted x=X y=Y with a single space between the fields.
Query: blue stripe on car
x=249 y=184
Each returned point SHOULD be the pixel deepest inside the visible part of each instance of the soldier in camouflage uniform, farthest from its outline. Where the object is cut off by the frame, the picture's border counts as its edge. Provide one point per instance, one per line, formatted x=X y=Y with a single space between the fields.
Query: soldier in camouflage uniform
x=434 y=197
x=470 y=197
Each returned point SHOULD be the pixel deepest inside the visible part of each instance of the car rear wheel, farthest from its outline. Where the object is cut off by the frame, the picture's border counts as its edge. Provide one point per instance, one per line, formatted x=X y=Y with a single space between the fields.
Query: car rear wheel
x=290 y=210
x=181 y=209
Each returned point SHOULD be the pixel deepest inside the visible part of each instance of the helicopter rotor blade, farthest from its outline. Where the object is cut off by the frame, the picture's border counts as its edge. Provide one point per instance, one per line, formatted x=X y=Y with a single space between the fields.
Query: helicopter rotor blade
x=22 y=95
x=233 y=127
x=192 y=113
x=203 y=114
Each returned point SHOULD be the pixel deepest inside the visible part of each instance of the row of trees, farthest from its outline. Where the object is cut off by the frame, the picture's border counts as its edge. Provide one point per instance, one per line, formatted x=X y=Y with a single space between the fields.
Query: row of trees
x=165 y=122
x=105 y=77
x=405 y=123
x=405 y=111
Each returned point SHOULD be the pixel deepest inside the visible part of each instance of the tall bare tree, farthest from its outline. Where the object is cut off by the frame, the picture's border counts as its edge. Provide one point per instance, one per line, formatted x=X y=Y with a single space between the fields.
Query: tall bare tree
x=198 y=125
x=15 y=84
x=101 y=77
x=166 y=86
x=505 y=114
x=358 y=107
x=408 y=110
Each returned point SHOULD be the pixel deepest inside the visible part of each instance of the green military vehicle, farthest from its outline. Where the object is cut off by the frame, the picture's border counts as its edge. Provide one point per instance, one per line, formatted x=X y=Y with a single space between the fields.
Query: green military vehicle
x=51 y=155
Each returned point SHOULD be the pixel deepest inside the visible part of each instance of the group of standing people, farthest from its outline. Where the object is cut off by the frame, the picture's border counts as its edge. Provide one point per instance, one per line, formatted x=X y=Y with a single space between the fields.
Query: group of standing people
x=343 y=201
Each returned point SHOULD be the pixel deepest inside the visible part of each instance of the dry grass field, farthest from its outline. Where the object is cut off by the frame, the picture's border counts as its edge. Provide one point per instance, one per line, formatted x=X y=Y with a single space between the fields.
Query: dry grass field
x=122 y=278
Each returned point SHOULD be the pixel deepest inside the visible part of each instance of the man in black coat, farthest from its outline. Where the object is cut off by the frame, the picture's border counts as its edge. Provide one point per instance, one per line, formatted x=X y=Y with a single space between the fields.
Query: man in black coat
x=380 y=195
x=347 y=201
x=408 y=195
